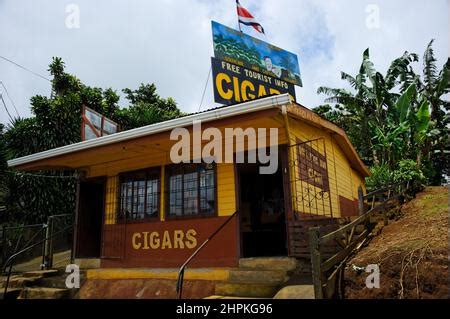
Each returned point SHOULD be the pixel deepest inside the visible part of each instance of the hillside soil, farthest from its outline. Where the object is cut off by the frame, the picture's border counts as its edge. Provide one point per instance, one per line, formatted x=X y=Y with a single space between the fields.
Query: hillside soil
x=411 y=252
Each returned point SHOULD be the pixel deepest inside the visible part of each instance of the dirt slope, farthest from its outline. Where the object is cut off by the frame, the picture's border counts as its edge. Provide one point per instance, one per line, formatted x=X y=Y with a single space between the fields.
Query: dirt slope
x=412 y=252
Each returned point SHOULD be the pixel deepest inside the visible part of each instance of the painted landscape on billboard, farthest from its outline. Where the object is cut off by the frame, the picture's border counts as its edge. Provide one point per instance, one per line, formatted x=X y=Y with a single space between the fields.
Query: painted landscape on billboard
x=238 y=48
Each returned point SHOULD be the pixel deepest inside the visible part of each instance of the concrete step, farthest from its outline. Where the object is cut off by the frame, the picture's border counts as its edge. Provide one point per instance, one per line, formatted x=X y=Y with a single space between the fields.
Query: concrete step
x=296 y=292
x=19 y=281
x=44 y=293
x=11 y=293
x=41 y=273
x=269 y=263
x=245 y=290
x=272 y=277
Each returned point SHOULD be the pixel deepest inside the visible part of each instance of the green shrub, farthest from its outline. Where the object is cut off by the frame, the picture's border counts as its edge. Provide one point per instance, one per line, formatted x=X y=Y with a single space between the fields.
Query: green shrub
x=381 y=176
x=407 y=171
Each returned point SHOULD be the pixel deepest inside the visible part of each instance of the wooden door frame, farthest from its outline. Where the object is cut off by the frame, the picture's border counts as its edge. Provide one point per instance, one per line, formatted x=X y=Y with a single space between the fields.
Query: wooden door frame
x=103 y=181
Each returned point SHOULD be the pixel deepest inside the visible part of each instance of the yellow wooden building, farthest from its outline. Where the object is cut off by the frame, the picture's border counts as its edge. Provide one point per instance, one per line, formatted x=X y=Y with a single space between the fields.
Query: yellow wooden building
x=136 y=208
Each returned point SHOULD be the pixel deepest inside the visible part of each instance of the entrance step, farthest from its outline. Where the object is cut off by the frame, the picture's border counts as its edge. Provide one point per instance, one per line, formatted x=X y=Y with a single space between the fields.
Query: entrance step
x=11 y=293
x=275 y=277
x=245 y=290
x=19 y=281
x=296 y=292
x=44 y=293
x=88 y=263
x=41 y=284
x=269 y=263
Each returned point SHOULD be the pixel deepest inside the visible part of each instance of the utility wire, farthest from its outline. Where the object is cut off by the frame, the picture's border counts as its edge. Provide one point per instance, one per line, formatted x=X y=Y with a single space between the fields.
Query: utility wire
x=6 y=108
x=204 y=90
x=9 y=97
x=40 y=176
x=26 y=69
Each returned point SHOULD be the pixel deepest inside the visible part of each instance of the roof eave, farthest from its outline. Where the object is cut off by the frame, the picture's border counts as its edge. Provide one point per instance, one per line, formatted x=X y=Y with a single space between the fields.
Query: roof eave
x=246 y=107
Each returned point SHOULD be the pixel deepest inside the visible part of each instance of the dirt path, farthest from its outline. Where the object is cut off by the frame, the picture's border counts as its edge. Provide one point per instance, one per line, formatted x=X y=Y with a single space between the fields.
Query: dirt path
x=411 y=252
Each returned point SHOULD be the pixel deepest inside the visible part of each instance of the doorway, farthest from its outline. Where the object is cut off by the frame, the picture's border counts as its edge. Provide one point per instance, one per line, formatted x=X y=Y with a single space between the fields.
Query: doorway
x=90 y=217
x=262 y=212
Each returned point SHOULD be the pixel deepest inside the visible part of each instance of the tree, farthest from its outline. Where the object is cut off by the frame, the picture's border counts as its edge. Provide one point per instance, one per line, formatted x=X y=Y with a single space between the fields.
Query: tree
x=146 y=107
x=397 y=116
x=370 y=101
x=56 y=122
x=3 y=174
x=435 y=86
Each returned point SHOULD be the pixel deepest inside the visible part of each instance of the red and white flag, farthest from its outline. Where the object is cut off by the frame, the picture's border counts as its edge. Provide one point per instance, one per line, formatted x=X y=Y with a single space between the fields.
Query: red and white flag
x=247 y=18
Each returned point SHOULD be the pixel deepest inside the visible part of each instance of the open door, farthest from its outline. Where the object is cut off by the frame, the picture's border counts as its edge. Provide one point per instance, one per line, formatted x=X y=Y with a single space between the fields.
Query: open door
x=90 y=217
x=262 y=212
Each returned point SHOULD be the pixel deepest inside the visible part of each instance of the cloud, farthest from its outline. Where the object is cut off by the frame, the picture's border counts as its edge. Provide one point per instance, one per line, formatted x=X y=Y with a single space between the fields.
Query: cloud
x=122 y=43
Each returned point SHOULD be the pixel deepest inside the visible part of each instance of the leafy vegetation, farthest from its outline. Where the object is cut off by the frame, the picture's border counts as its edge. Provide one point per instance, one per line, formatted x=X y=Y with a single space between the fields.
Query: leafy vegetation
x=396 y=119
x=56 y=122
x=404 y=171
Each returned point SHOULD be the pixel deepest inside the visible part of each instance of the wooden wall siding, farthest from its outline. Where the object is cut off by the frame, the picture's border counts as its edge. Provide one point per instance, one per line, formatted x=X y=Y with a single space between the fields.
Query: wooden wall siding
x=165 y=250
x=113 y=241
x=344 y=180
x=348 y=207
x=304 y=132
x=162 y=199
x=303 y=114
x=111 y=200
x=357 y=181
x=299 y=235
x=226 y=189
x=312 y=196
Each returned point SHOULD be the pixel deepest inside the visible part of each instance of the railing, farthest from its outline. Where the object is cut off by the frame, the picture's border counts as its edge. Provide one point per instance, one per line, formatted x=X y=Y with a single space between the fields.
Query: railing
x=10 y=261
x=180 y=278
x=12 y=237
x=328 y=274
x=53 y=222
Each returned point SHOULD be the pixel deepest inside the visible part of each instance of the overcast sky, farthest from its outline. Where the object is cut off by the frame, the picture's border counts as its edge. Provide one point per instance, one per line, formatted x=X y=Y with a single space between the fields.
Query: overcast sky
x=120 y=44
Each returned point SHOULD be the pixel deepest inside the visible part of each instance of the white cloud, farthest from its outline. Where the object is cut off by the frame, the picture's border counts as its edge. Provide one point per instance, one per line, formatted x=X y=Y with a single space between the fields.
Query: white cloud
x=123 y=43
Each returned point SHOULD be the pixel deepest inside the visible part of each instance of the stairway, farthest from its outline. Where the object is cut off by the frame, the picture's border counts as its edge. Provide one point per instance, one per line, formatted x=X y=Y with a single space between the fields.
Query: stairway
x=42 y=284
x=259 y=277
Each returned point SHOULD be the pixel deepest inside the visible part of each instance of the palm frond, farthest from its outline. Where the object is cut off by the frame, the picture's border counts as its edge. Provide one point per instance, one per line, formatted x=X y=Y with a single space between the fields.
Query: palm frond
x=429 y=66
x=332 y=91
x=400 y=68
x=443 y=80
x=367 y=66
x=350 y=79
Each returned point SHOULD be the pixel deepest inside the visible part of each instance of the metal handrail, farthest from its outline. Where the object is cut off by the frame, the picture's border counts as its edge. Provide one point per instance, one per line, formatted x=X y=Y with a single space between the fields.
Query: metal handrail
x=24 y=226
x=5 y=238
x=11 y=258
x=180 y=278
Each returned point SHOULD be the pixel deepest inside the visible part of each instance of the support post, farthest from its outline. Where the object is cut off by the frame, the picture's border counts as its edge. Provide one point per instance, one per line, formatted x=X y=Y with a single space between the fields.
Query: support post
x=75 y=220
x=360 y=201
x=316 y=261
x=50 y=243
x=46 y=244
